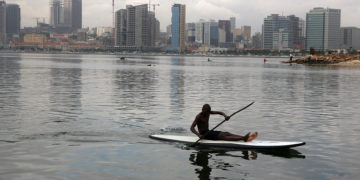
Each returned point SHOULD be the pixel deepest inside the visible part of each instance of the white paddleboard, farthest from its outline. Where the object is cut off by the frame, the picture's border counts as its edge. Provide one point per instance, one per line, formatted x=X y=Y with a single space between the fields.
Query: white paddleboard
x=255 y=144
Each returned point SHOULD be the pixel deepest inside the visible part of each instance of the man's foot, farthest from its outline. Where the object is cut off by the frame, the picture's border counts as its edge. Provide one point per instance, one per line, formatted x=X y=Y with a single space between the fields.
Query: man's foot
x=252 y=137
x=246 y=137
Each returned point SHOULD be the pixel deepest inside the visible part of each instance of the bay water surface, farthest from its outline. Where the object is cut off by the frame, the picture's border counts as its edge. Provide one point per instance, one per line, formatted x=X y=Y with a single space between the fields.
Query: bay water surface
x=90 y=117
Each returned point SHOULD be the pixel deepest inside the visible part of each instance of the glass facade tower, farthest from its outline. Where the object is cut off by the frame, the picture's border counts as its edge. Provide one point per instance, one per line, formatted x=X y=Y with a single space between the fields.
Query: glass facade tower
x=323 y=29
x=178 y=27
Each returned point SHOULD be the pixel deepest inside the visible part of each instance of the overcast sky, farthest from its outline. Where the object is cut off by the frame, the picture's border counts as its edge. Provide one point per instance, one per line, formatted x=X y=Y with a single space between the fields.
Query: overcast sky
x=247 y=12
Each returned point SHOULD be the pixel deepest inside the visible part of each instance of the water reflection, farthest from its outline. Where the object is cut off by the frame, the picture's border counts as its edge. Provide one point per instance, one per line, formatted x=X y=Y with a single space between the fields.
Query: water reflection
x=135 y=91
x=208 y=160
x=10 y=76
x=177 y=90
x=320 y=85
x=283 y=153
x=65 y=91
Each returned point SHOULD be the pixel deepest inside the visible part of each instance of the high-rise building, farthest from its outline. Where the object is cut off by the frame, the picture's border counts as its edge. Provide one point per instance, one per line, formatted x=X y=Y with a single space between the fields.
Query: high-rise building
x=295 y=32
x=211 y=33
x=207 y=32
x=136 y=27
x=273 y=25
x=323 y=29
x=199 y=32
x=120 y=27
x=302 y=29
x=154 y=29
x=178 y=23
x=350 y=38
x=13 y=21
x=225 y=25
x=281 y=32
x=73 y=14
x=157 y=33
x=257 y=41
x=281 y=39
x=214 y=33
x=190 y=32
x=237 y=35
x=233 y=23
x=246 y=33
x=2 y=23
x=56 y=13
x=168 y=34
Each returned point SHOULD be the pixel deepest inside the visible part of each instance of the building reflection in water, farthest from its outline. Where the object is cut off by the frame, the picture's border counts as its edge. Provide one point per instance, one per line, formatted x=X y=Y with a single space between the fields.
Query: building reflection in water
x=177 y=83
x=10 y=87
x=135 y=91
x=65 y=89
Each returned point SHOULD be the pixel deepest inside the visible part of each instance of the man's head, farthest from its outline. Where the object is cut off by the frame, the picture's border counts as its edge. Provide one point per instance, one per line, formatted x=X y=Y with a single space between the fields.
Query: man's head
x=206 y=109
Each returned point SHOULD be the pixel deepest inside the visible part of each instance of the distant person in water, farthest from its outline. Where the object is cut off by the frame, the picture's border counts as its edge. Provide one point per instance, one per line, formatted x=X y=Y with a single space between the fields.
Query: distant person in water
x=202 y=123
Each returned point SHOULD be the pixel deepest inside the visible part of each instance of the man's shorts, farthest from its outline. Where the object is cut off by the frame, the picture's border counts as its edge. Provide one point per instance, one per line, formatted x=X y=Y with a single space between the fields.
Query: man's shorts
x=211 y=135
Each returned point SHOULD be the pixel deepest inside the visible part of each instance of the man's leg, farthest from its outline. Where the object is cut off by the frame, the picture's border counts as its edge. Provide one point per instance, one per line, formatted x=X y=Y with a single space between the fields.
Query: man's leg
x=232 y=137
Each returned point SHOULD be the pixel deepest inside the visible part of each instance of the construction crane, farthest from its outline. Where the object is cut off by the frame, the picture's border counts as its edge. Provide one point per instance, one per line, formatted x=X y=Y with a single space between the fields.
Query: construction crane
x=37 y=20
x=154 y=5
x=113 y=19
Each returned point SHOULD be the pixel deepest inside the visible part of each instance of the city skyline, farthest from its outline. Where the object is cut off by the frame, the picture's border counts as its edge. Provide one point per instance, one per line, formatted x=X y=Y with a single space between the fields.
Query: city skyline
x=246 y=13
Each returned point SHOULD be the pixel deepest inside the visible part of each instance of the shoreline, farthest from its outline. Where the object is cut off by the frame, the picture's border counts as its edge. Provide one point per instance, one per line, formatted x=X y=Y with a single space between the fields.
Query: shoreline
x=348 y=60
x=150 y=54
x=351 y=63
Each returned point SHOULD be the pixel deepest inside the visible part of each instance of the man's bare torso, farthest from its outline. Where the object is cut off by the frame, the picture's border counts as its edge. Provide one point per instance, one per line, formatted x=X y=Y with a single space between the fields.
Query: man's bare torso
x=202 y=122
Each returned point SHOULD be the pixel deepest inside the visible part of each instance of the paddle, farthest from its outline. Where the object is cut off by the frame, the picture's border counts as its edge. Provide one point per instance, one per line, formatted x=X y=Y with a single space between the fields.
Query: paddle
x=223 y=122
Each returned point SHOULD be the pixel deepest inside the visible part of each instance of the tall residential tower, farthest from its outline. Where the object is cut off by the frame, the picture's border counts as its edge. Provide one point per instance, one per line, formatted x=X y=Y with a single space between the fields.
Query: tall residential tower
x=2 y=23
x=282 y=32
x=56 y=13
x=73 y=14
x=178 y=27
x=136 y=27
x=13 y=21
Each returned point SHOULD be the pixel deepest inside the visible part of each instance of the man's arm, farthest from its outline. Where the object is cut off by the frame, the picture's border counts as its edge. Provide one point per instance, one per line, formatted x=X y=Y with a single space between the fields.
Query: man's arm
x=220 y=113
x=192 y=128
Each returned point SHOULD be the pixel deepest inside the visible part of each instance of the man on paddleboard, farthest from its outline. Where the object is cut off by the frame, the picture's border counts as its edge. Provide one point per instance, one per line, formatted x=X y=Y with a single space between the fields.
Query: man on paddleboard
x=202 y=123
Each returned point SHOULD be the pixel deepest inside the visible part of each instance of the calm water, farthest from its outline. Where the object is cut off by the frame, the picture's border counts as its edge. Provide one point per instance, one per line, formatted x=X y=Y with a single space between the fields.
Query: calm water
x=89 y=117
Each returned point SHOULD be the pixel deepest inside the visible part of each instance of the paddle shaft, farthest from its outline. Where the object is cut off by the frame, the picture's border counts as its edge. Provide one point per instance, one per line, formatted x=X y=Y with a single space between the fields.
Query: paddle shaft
x=224 y=121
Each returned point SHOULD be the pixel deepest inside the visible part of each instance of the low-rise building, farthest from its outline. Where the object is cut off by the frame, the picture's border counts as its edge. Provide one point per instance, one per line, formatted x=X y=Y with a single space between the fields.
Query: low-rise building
x=35 y=38
x=350 y=38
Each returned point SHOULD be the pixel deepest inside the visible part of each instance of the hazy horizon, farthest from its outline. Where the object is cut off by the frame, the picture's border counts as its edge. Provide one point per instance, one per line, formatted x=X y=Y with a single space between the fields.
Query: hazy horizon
x=98 y=13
